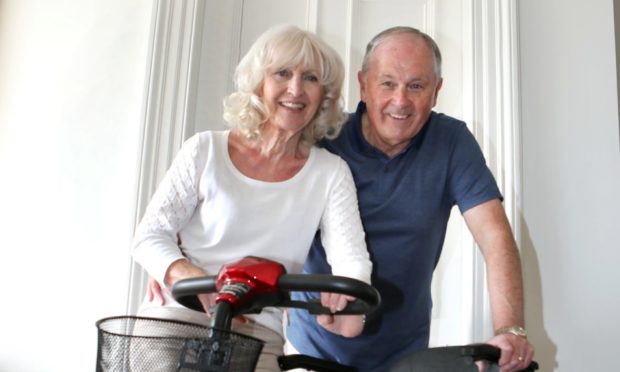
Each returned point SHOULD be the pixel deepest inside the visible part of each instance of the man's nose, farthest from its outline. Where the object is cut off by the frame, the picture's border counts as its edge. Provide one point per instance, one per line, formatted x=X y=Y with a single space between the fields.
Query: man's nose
x=401 y=97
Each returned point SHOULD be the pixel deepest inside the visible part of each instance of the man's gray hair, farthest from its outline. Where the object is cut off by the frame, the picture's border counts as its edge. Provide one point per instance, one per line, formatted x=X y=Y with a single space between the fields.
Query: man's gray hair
x=378 y=39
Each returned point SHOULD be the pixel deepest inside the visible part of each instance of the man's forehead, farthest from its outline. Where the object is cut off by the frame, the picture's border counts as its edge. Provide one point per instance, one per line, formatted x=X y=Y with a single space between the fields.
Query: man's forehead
x=395 y=75
x=408 y=54
x=406 y=69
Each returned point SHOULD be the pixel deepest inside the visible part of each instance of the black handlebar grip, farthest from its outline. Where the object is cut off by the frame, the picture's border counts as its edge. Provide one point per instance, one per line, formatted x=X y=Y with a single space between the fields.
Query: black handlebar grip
x=489 y=353
x=355 y=307
x=185 y=291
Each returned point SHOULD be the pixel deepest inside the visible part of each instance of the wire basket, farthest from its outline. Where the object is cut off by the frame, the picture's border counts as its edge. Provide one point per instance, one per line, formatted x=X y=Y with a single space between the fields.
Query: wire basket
x=137 y=344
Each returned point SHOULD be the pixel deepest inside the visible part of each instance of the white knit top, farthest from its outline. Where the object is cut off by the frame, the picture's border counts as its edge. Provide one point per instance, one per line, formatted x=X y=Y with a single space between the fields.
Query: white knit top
x=222 y=215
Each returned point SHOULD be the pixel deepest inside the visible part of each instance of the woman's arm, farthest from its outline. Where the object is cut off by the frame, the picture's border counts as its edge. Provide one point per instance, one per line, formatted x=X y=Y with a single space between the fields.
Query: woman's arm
x=174 y=202
x=343 y=238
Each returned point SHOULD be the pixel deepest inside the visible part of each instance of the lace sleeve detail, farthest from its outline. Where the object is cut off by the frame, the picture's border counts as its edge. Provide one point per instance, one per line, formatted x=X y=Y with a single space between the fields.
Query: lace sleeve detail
x=342 y=233
x=173 y=204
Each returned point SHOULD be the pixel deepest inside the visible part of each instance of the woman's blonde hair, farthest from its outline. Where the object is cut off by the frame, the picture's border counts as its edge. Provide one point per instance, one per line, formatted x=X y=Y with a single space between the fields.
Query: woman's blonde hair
x=279 y=47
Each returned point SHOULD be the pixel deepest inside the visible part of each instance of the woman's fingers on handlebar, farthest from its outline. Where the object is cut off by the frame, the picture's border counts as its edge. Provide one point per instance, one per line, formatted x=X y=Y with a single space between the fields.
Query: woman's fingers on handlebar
x=344 y=325
x=334 y=301
x=208 y=301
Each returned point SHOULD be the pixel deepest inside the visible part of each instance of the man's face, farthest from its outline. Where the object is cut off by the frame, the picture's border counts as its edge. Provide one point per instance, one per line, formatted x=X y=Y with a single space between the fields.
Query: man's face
x=400 y=90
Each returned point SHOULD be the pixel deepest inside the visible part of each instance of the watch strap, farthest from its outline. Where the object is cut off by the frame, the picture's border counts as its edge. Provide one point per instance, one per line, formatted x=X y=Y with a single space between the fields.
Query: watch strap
x=515 y=330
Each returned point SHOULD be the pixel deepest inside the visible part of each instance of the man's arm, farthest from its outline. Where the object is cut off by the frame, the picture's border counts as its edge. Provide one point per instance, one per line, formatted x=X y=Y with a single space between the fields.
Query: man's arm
x=491 y=230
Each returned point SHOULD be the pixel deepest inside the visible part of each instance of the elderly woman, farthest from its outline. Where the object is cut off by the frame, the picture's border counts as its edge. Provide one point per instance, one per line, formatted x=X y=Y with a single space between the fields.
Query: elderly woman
x=261 y=188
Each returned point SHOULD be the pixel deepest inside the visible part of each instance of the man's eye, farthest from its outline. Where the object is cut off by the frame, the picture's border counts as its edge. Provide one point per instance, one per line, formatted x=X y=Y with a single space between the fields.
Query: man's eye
x=388 y=84
x=415 y=86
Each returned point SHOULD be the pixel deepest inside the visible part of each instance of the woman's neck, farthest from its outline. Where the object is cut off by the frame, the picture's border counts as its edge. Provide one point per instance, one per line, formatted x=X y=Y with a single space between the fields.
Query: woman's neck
x=270 y=158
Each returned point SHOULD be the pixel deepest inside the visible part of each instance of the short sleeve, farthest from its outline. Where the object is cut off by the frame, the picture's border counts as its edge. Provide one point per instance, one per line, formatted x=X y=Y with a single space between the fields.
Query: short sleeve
x=470 y=181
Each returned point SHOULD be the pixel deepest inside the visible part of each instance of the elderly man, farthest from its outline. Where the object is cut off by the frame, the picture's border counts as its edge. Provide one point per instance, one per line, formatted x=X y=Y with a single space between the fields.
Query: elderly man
x=411 y=166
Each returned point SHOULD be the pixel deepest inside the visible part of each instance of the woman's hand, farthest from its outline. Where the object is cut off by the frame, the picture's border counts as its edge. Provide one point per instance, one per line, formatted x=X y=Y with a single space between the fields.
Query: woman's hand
x=183 y=269
x=344 y=325
x=208 y=301
x=155 y=291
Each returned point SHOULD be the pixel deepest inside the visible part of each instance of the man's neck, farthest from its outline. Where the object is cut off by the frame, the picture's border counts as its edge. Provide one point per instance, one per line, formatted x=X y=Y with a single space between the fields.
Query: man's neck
x=388 y=149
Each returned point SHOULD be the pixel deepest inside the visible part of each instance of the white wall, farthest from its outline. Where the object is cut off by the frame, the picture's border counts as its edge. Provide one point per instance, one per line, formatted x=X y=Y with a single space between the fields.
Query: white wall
x=72 y=78
x=571 y=179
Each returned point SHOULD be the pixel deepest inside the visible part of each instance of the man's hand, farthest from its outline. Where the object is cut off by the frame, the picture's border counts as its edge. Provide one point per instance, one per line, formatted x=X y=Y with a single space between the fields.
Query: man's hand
x=344 y=325
x=517 y=353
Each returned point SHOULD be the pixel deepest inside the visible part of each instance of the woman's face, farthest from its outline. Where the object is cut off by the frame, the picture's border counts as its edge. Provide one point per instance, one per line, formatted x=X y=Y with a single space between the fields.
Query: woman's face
x=292 y=96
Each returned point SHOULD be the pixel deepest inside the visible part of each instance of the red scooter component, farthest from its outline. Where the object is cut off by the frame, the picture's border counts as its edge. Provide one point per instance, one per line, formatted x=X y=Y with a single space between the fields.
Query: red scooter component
x=238 y=283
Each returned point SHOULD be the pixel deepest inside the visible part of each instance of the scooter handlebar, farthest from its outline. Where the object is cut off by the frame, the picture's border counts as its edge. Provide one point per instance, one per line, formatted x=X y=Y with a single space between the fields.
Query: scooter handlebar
x=367 y=297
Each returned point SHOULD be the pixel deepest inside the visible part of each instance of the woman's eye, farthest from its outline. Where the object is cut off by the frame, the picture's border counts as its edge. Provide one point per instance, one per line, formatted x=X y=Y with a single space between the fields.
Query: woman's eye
x=312 y=78
x=282 y=73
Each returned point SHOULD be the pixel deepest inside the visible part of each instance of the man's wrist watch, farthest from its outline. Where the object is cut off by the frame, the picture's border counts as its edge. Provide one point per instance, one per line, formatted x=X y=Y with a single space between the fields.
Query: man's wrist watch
x=515 y=330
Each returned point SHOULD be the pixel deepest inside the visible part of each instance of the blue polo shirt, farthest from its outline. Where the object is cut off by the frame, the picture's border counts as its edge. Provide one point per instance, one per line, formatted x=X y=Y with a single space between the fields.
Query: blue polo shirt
x=405 y=203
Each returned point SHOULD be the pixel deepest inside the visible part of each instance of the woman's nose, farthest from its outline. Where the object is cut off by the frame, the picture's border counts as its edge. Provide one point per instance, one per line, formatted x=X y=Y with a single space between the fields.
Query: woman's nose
x=294 y=86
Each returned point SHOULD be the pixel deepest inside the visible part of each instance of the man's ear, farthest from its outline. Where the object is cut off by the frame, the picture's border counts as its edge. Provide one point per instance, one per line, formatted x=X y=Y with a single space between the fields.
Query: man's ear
x=362 y=82
x=437 y=89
